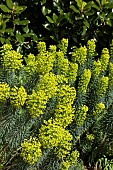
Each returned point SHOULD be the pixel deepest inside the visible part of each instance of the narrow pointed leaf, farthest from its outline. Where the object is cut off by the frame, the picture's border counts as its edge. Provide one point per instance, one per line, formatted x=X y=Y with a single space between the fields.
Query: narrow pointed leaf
x=9 y=4
x=49 y=19
x=74 y=9
x=4 y=8
x=55 y=17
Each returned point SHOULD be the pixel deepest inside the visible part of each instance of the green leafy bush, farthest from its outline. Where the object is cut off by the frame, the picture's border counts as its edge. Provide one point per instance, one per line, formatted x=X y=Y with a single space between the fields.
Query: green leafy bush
x=24 y=23
x=14 y=27
x=76 y=20
x=58 y=111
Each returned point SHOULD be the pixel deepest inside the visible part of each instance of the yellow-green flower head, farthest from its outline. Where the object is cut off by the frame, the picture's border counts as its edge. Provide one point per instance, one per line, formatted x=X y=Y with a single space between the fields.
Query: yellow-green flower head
x=96 y=70
x=31 y=64
x=70 y=160
x=29 y=59
x=44 y=62
x=48 y=83
x=52 y=48
x=104 y=59
x=91 y=46
x=66 y=94
x=99 y=108
x=41 y=47
x=61 y=79
x=6 y=47
x=62 y=64
x=84 y=81
x=90 y=137
x=18 y=96
x=36 y=103
x=63 y=45
x=12 y=60
x=63 y=114
x=31 y=150
x=80 y=55
x=73 y=157
x=64 y=165
x=81 y=114
x=52 y=135
x=102 y=86
x=111 y=76
x=4 y=92
x=73 y=68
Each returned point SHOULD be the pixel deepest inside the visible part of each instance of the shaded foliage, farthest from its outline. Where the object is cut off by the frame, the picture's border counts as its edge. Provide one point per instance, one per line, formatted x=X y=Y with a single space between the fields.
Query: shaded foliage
x=26 y=22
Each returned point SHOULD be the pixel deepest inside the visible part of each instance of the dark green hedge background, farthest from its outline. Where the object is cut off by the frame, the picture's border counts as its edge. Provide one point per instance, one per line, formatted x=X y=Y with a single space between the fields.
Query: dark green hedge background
x=24 y=23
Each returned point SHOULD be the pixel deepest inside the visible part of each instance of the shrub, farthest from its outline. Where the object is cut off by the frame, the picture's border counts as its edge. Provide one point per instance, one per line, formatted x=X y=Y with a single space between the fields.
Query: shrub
x=14 y=27
x=58 y=111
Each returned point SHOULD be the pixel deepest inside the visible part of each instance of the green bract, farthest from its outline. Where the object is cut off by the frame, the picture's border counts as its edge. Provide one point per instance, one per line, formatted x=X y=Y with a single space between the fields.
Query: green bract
x=84 y=81
x=81 y=114
x=31 y=150
x=53 y=135
x=91 y=47
x=80 y=55
x=99 y=108
x=11 y=59
x=96 y=68
x=104 y=59
x=4 y=92
x=36 y=103
x=18 y=96
x=102 y=86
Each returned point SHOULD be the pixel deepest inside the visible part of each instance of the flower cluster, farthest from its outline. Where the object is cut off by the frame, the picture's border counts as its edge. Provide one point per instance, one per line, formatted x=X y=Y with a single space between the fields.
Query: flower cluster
x=41 y=47
x=104 y=59
x=44 y=90
x=90 y=137
x=31 y=150
x=61 y=64
x=91 y=47
x=73 y=157
x=64 y=112
x=70 y=160
x=6 y=47
x=53 y=135
x=79 y=55
x=84 y=81
x=102 y=86
x=31 y=64
x=66 y=94
x=72 y=73
x=4 y=92
x=96 y=70
x=52 y=49
x=64 y=165
x=44 y=62
x=48 y=84
x=36 y=103
x=10 y=58
x=18 y=96
x=61 y=80
x=63 y=45
x=81 y=114
x=99 y=108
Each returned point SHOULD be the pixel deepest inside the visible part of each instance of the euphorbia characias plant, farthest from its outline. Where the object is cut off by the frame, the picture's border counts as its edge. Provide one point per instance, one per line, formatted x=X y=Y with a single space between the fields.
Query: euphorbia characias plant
x=52 y=107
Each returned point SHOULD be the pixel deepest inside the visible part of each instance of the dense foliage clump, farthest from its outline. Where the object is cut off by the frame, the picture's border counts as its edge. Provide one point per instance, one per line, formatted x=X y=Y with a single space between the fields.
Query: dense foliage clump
x=24 y=23
x=55 y=111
